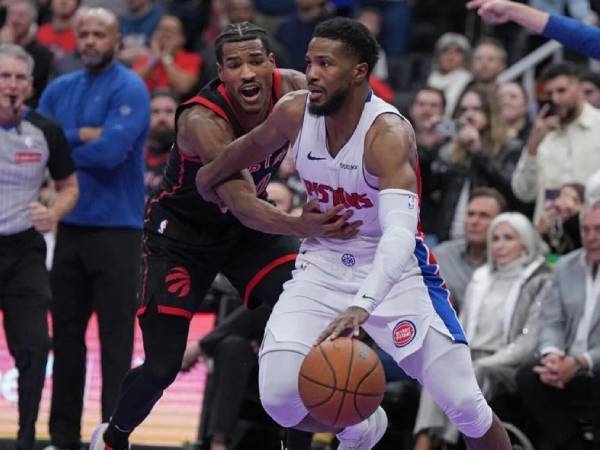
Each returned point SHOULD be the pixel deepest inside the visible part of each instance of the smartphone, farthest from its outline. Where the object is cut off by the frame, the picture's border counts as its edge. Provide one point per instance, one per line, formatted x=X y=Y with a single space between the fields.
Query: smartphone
x=551 y=106
x=551 y=194
x=447 y=128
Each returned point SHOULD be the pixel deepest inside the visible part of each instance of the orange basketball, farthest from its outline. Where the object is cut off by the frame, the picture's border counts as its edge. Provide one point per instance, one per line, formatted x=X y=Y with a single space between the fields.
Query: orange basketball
x=341 y=382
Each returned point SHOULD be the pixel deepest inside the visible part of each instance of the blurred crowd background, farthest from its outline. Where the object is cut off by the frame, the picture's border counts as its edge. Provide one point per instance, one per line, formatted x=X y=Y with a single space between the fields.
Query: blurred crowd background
x=500 y=156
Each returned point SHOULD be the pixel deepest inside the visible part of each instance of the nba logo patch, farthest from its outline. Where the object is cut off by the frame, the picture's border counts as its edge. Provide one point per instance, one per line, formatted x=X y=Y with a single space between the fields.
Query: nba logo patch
x=404 y=333
x=348 y=259
x=412 y=202
x=163 y=226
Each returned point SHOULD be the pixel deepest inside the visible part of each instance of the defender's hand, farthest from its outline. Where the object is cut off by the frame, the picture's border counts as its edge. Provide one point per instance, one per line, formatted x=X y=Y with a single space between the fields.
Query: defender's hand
x=330 y=224
x=351 y=319
x=205 y=185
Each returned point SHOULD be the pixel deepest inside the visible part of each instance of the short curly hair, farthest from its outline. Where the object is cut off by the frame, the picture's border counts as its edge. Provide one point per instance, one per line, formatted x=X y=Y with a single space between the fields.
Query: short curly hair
x=354 y=35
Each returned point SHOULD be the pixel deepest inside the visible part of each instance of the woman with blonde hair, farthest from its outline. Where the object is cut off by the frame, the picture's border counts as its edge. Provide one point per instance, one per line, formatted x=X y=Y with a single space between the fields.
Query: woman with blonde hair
x=501 y=317
x=480 y=153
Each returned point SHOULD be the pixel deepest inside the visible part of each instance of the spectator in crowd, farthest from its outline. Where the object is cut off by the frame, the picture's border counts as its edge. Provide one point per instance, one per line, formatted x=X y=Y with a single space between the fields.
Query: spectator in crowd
x=479 y=154
x=117 y=7
x=427 y=111
x=237 y=11
x=58 y=35
x=105 y=111
x=137 y=28
x=30 y=144
x=371 y=18
x=450 y=62
x=20 y=29
x=459 y=258
x=559 y=222
x=395 y=31
x=275 y=7
x=281 y=195
x=195 y=17
x=592 y=188
x=570 y=32
x=578 y=9
x=590 y=83
x=514 y=109
x=564 y=144
x=489 y=60
x=501 y=317
x=168 y=64
x=568 y=369
x=233 y=348
x=296 y=30
x=161 y=136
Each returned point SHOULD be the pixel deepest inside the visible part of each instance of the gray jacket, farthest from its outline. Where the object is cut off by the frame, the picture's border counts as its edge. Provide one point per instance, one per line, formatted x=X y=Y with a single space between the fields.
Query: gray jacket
x=522 y=317
x=564 y=308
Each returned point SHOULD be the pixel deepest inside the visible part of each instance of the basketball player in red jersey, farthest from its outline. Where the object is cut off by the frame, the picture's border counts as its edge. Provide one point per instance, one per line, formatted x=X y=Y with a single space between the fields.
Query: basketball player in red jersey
x=187 y=241
x=352 y=148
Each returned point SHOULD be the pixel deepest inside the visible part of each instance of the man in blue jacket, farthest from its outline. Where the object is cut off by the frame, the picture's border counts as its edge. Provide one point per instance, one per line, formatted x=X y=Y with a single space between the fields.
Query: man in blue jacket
x=104 y=110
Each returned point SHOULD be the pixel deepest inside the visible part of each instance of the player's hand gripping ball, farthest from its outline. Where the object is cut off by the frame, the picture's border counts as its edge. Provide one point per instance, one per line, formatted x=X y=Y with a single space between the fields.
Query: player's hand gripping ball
x=341 y=382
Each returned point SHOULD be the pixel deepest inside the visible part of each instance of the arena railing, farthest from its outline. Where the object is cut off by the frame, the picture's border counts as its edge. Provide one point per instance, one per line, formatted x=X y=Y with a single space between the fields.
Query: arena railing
x=525 y=68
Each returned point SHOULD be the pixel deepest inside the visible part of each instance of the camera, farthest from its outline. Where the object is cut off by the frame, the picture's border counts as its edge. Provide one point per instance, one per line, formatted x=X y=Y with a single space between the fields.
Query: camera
x=551 y=194
x=447 y=128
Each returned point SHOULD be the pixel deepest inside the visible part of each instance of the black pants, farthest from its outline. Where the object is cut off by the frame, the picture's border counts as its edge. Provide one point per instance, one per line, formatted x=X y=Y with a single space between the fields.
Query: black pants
x=554 y=409
x=175 y=280
x=94 y=269
x=24 y=297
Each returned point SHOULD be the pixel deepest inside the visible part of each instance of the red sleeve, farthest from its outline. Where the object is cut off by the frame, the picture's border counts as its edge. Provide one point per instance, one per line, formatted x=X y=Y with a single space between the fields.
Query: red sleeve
x=381 y=89
x=139 y=63
x=44 y=35
x=188 y=62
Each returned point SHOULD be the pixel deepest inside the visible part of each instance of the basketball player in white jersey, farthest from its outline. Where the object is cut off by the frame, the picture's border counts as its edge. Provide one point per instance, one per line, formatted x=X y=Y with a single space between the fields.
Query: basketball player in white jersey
x=352 y=148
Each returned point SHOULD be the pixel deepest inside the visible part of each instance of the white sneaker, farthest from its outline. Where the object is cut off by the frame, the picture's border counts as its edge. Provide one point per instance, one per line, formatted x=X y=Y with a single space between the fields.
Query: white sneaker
x=97 y=440
x=377 y=425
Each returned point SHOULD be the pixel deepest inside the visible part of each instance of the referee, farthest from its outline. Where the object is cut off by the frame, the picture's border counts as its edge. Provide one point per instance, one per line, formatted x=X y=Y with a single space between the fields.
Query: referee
x=29 y=143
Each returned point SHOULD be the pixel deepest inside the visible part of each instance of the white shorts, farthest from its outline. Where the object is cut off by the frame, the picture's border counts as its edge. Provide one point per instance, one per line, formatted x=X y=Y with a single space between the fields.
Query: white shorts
x=424 y=339
x=323 y=286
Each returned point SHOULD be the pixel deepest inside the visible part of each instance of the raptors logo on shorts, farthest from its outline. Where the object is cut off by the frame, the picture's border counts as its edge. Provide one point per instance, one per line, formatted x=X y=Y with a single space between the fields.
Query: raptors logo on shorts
x=404 y=333
x=178 y=281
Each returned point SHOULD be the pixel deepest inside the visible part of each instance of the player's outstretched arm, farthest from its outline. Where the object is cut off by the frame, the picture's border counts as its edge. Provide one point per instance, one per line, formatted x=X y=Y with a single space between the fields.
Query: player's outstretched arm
x=502 y=11
x=280 y=127
x=205 y=135
x=390 y=154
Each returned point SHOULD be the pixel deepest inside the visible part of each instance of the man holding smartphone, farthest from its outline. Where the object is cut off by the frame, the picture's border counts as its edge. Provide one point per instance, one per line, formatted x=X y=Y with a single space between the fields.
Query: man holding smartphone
x=564 y=143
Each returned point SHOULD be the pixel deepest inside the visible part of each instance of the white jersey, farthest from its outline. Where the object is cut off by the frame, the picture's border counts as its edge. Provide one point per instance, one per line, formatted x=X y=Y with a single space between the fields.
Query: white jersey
x=343 y=179
x=422 y=293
